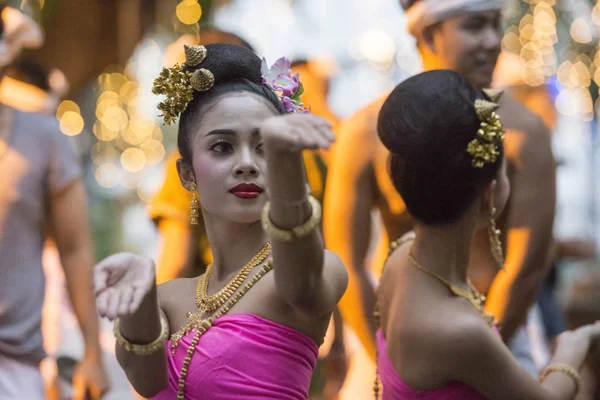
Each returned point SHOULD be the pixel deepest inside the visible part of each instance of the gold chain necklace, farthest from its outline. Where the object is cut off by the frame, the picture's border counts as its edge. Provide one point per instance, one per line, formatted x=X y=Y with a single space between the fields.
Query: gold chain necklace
x=206 y=303
x=471 y=294
x=196 y=323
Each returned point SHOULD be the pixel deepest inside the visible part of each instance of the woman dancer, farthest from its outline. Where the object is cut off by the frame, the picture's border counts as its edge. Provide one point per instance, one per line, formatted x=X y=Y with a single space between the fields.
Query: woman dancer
x=435 y=342
x=239 y=330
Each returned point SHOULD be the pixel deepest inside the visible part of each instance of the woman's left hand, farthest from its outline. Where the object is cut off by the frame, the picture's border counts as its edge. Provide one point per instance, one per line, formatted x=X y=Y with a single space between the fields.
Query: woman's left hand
x=293 y=133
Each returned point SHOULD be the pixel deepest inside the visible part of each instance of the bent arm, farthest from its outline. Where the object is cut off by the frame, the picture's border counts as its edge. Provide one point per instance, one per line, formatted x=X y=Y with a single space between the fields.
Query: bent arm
x=480 y=359
x=147 y=374
x=530 y=221
x=307 y=277
x=347 y=227
x=70 y=228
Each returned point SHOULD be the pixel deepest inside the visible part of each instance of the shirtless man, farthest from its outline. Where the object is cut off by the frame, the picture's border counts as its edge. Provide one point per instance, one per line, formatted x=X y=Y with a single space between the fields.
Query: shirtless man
x=463 y=36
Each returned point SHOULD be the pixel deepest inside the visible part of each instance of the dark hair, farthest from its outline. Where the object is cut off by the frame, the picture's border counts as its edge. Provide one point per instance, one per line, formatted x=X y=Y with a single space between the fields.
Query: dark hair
x=426 y=123
x=236 y=69
x=210 y=35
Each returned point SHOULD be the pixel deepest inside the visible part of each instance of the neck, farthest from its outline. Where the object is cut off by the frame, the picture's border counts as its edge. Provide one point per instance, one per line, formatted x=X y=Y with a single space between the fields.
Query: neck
x=445 y=250
x=232 y=244
x=429 y=59
x=432 y=62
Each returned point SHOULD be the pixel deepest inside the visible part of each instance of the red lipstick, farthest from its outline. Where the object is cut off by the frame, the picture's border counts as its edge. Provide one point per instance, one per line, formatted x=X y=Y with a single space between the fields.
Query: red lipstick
x=246 y=191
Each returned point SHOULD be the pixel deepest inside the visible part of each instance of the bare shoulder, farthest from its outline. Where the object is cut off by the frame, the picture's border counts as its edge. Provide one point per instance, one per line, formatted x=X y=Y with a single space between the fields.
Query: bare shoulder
x=334 y=263
x=335 y=270
x=170 y=293
x=467 y=334
x=528 y=139
x=516 y=116
x=363 y=123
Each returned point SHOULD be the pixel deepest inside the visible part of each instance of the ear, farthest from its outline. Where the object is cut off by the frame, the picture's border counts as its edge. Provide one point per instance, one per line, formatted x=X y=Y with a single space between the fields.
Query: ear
x=186 y=174
x=488 y=198
x=427 y=38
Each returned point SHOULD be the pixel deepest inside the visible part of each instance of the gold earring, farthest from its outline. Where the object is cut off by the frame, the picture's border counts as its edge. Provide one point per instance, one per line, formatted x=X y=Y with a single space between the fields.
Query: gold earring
x=194 y=206
x=495 y=242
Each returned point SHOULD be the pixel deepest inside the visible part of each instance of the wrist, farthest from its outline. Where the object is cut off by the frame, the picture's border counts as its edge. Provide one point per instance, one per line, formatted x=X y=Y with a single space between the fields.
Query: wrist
x=92 y=351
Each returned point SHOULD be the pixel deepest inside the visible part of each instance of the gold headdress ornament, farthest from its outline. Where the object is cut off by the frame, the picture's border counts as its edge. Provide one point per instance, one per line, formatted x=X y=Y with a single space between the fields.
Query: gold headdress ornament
x=485 y=148
x=178 y=86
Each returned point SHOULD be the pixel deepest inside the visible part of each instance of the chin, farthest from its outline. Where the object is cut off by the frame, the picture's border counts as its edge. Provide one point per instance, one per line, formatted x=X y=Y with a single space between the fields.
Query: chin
x=246 y=213
x=481 y=79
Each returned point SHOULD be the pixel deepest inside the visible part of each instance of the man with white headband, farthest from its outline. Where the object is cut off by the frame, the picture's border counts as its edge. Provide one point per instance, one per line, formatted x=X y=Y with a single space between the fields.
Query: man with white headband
x=464 y=36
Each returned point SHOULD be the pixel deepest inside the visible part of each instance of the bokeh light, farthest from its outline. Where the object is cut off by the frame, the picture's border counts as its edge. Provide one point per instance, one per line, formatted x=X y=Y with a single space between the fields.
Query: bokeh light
x=581 y=31
x=133 y=159
x=108 y=175
x=71 y=123
x=189 y=12
x=66 y=105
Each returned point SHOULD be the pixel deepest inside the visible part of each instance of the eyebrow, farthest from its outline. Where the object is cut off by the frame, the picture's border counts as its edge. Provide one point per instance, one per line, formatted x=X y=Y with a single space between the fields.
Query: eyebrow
x=229 y=132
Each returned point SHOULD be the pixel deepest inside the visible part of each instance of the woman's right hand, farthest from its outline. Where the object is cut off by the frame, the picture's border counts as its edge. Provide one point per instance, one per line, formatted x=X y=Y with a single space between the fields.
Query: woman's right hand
x=121 y=282
x=576 y=345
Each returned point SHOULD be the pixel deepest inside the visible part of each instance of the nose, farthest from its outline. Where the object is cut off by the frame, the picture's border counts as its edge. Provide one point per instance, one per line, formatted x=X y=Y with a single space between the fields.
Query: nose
x=493 y=39
x=246 y=164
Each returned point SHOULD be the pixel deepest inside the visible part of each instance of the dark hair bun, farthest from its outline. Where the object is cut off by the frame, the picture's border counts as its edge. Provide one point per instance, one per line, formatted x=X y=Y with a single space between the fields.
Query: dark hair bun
x=426 y=123
x=230 y=63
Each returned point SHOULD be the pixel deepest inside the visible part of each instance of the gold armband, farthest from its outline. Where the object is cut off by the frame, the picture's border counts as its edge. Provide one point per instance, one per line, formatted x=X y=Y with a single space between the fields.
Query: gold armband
x=297 y=232
x=568 y=370
x=143 y=349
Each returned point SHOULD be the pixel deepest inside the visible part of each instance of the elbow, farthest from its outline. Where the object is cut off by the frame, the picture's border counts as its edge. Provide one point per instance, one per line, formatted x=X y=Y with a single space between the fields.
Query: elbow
x=149 y=389
x=532 y=278
x=146 y=382
x=305 y=297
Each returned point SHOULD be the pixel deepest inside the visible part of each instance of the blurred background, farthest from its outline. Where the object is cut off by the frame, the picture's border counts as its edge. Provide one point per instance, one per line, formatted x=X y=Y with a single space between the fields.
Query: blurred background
x=99 y=59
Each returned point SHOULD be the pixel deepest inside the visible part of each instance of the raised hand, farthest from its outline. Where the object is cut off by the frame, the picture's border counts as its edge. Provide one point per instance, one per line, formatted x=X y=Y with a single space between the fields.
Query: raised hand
x=293 y=133
x=121 y=282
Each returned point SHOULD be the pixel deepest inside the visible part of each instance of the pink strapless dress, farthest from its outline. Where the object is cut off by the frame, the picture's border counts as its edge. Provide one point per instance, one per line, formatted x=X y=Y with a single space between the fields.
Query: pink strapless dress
x=395 y=389
x=244 y=356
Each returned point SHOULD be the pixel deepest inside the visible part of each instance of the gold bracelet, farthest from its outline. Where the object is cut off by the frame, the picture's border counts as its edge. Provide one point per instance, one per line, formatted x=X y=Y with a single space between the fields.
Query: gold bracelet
x=300 y=231
x=143 y=349
x=566 y=369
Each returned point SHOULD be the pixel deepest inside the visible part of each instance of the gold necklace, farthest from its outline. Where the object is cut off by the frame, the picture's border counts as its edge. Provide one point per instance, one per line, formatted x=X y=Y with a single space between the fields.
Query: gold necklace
x=206 y=303
x=471 y=294
x=474 y=297
x=196 y=323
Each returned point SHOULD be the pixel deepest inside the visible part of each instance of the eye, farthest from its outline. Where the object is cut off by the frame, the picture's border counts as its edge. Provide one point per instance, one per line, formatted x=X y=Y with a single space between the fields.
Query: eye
x=221 y=146
x=260 y=148
x=474 y=24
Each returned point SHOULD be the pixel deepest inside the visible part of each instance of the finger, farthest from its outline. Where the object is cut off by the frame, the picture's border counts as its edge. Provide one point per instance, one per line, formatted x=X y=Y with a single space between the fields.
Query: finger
x=125 y=302
x=100 y=279
x=315 y=119
x=326 y=137
x=95 y=392
x=102 y=303
x=113 y=304
x=79 y=388
x=308 y=137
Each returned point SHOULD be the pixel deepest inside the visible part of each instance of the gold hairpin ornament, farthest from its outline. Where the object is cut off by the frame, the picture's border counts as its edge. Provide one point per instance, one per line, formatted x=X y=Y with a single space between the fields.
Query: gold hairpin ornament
x=485 y=148
x=202 y=80
x=178 y=85
x=194 y=55
x=493 y=94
